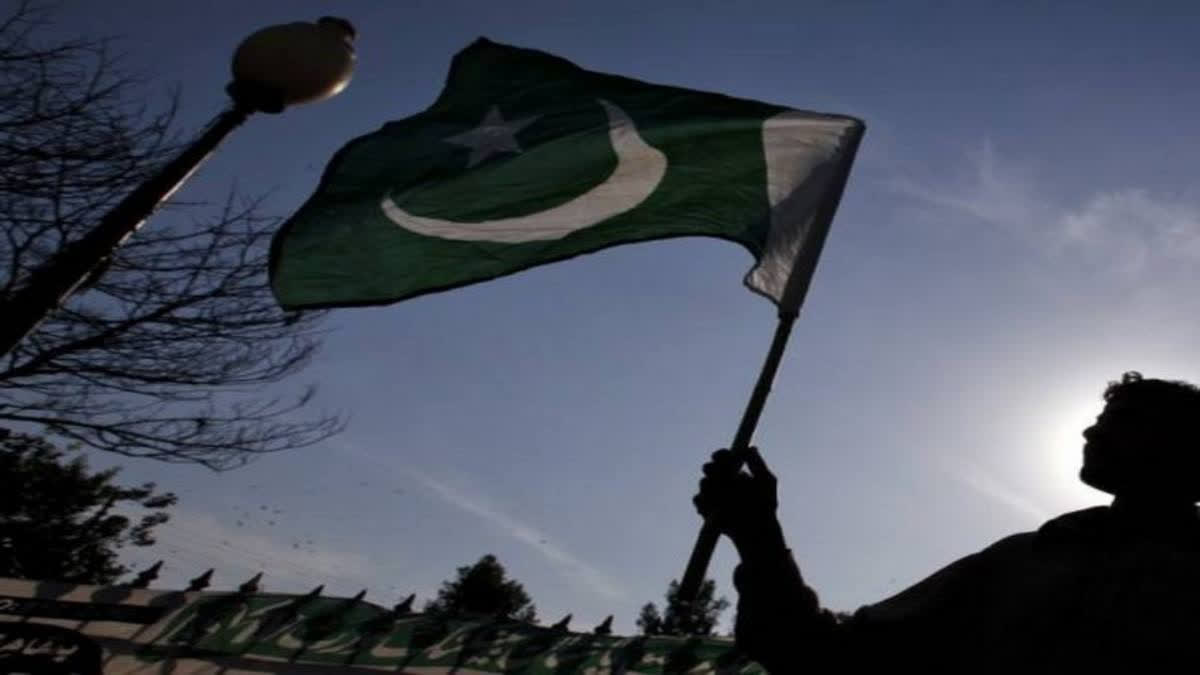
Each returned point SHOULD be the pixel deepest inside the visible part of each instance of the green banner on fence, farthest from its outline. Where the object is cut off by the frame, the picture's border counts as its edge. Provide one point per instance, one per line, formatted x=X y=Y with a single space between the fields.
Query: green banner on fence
x=149 y=631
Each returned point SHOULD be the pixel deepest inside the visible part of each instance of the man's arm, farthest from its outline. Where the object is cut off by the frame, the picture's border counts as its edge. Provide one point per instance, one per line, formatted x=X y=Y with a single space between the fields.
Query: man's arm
x=780 y=622
x=775 y=607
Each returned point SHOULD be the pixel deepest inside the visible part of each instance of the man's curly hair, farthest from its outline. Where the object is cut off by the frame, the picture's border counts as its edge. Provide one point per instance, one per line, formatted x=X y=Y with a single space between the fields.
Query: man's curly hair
x=1174 y=395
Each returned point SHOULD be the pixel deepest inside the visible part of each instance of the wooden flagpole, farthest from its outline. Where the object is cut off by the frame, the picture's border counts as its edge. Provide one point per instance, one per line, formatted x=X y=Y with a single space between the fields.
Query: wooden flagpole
x=706 y=541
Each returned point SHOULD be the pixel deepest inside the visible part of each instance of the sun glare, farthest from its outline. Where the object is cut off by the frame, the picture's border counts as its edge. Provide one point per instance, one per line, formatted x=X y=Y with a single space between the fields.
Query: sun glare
x=1058 y=446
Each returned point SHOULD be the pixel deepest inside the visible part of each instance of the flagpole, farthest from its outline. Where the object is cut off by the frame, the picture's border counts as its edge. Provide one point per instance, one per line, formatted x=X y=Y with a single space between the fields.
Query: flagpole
x=706 y=541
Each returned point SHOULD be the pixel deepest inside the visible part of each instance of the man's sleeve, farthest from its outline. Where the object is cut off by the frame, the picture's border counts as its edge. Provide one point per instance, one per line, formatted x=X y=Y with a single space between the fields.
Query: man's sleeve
x=779 y=619
x=935 y=620
x=781 y=624
x=952 y=593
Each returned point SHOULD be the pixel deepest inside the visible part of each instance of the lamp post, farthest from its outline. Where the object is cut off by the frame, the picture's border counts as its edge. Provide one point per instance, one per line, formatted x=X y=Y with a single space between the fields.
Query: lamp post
x=275 y=67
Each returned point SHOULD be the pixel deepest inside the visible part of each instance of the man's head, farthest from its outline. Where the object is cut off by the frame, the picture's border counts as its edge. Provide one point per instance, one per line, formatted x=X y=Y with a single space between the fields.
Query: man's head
x=1146 y=442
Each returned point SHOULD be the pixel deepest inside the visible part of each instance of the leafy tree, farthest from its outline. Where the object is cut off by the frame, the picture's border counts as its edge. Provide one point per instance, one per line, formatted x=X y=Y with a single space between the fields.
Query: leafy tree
x=482 y=588
x=59 y=521
x=679 y=618
x=155 y=355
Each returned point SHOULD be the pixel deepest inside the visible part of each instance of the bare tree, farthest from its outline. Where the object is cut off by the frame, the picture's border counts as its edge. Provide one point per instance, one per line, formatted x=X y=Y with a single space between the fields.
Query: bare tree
x=162 y=352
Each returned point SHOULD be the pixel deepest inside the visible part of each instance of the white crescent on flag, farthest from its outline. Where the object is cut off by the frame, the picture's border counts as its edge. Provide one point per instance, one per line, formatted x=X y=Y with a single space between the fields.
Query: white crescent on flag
x=640 y=168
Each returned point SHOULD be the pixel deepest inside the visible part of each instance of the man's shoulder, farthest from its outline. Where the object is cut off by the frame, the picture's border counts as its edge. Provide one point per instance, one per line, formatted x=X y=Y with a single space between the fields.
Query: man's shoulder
x=1069 y=528
x=1083 y=519
x=1009 y=563
x=1076 y=527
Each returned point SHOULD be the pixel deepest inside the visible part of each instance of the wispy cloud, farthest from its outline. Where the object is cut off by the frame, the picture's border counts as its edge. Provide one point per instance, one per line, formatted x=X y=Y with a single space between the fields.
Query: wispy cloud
x=1000 y=193
x=1127 y=231
x=1132 y=228
x=987 y=484
x=568 y=564
x=572 y=567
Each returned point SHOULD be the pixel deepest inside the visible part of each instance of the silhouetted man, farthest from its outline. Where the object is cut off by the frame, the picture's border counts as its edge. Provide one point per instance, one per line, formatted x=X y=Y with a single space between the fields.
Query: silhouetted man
x=1110 y=588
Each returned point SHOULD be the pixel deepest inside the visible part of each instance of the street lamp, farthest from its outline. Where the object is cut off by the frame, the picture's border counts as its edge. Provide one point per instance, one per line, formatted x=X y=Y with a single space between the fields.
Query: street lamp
x=274 y=68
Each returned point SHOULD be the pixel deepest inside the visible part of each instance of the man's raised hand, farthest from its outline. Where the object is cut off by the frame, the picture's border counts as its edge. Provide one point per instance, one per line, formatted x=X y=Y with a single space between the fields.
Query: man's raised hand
x=740 y=503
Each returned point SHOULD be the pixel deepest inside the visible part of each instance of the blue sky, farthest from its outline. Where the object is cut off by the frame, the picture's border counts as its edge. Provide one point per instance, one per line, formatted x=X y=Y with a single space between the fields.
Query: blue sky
x=1022 y=225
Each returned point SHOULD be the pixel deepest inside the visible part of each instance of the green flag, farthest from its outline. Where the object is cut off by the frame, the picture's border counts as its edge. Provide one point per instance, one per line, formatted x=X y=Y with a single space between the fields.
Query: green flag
x=526 y=159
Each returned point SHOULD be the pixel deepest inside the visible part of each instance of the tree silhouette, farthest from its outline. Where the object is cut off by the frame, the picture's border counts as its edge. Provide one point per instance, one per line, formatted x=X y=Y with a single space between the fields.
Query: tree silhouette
x=483 y=588
x=679 y=618
x=148 y=359
x=61 y=522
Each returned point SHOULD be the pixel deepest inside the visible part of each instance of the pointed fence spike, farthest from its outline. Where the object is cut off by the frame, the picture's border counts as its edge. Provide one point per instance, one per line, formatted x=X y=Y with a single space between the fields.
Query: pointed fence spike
x=144 y=577
x=605 y=627
x=201 y=582
x=252 y=585
x=405 y=606
x=562 y=624
x=301 y=600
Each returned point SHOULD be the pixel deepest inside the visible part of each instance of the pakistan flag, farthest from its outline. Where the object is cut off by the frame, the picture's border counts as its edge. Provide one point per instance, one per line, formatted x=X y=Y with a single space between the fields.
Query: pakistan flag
x=526 y=159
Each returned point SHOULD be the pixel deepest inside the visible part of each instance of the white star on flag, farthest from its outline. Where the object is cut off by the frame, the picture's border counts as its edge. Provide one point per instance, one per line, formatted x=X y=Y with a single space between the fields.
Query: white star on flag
x=493 y=136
